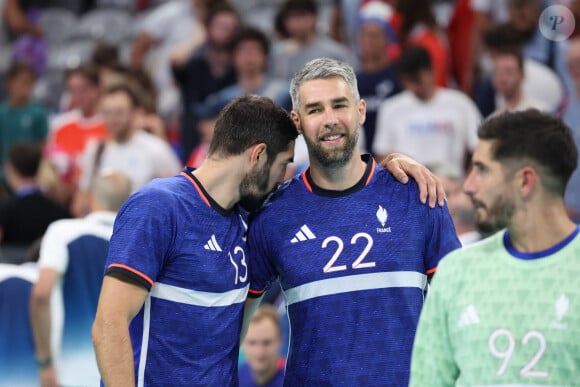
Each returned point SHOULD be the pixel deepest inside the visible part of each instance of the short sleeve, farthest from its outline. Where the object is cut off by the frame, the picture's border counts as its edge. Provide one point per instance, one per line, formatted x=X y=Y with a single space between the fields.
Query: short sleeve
x=441 y=237
x=53 y=247
x=262 y=272
x=143 y=237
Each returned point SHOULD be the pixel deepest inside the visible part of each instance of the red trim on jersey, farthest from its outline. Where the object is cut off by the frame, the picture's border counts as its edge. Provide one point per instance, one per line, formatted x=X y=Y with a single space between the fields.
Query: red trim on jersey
x=372 y=172
x=136 y=272
x=257 y=292
x=431 y=271
x=305 y=180
x=197 y=188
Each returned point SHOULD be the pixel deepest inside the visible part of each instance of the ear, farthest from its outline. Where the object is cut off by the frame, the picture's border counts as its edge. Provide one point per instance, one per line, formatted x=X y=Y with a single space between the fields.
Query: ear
x=527 y=180
x=257 y=154
x=296 y=119
x=362 y=111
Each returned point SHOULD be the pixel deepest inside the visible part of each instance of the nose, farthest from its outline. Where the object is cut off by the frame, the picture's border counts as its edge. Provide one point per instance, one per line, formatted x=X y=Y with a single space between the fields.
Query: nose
x=468 y=184
x=330 y=118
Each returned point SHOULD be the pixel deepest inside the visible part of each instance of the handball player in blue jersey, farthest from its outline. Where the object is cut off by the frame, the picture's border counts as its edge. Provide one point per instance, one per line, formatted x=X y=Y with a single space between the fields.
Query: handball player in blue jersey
x=172 y=300
x=351 y=246
x=171 y=305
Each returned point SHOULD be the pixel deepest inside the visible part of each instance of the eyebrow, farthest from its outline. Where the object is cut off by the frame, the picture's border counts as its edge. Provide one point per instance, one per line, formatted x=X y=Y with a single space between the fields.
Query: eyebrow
x=316 y=104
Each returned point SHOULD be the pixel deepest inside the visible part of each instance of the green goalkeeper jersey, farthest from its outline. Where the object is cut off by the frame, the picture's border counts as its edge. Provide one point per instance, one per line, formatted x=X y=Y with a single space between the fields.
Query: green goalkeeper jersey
x=498 y=317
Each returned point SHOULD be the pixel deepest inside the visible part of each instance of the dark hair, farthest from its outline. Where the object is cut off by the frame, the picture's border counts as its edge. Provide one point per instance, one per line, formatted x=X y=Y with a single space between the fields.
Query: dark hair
x=25 y=158
x=250 y=120
x=125 y=89
x=89 y=72
x=515 y=53
x=105 y=54
x=414 y=12
x=532 y=135
x=219 y=8
x=252 y=34
x=503 y=36
x=413 y=60
x=17 y=68
x=289 y=6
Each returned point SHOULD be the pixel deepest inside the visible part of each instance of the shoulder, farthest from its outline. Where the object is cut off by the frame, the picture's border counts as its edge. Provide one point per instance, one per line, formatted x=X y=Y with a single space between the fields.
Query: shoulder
x=471 y=257
x=288 y=192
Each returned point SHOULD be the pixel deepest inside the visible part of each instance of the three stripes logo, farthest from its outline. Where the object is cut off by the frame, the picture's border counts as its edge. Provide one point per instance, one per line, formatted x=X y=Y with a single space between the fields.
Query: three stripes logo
x=212 y=244
x=469 y=317
x=304 y=234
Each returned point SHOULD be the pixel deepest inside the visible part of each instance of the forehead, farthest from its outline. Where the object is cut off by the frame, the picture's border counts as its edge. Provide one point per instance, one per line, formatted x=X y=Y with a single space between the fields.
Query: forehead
x=321 y=90
x=483 y=152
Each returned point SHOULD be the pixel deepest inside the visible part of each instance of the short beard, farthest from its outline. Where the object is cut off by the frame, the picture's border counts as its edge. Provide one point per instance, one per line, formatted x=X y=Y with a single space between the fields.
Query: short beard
x=499 y=214
x=336 y=157
x=256 y=181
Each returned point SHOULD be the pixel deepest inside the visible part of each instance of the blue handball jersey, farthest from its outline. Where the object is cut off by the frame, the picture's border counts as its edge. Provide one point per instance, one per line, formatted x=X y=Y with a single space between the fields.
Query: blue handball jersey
x=353 y=267
x=190 y=253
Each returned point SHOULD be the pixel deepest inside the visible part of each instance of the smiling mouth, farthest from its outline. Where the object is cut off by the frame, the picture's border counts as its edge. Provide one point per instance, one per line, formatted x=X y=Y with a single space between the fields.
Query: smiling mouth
x=332 y=137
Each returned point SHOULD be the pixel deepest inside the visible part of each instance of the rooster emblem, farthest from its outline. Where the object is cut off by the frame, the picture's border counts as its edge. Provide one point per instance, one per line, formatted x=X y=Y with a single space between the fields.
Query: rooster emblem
x=382 y=215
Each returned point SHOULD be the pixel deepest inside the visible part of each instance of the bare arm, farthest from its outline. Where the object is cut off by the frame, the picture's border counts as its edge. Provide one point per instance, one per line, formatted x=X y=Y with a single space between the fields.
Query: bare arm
x=402 y=166
x=17 y=21
x=119 y=302
x=141 y=45
x=41 y=324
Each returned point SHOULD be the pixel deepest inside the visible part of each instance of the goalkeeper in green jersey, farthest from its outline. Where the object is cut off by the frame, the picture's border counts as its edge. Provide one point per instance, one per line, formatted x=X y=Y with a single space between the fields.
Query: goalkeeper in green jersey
x=506 y=310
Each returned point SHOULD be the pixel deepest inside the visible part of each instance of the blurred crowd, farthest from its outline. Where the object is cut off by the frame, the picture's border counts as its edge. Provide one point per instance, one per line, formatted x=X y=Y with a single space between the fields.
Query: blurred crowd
x=134 y=86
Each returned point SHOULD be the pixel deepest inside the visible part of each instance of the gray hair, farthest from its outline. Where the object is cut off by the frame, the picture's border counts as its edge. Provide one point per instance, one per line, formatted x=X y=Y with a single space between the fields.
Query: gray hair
x=322 y=68
x=111 y=189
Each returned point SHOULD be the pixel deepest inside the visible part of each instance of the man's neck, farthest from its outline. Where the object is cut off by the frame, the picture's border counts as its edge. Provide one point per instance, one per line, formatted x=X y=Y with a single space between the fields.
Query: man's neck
x=250 y=82
x=221 y=180
x=16 y=103
x=513 y=100
x=262 y=378
x=541 y=227
x=338 y=178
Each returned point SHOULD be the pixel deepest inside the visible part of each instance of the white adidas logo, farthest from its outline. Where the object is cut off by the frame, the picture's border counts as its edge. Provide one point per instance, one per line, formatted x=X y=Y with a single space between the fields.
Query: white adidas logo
x=468 y=317
x=303 y=235
x=212 y=244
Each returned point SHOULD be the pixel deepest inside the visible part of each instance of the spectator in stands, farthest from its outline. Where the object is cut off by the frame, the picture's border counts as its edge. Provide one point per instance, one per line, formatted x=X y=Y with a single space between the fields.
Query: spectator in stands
x=298 y=23
x=540 y=82
x=20 y=118
x=250 y=49
x=206 y=70
x=571 y=116
x=137 y=153
x=377 y=79
x=508 y=78
x=264 y=364
x=72 y=258
x=427 y=122
x=25 y=217
x=419 y=28
x=157 y=34
x=17 y=366
x=524 y=19
x=71 y=130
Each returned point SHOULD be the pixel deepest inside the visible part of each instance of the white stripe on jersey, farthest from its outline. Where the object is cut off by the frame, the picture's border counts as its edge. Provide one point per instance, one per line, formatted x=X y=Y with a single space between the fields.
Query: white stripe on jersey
x=144 y=343
x=199 y=298
x=326 y=287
